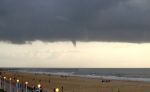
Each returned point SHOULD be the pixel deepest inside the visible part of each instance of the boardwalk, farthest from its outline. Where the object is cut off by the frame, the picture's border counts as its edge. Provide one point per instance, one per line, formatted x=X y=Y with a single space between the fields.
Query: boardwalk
x=10 y=86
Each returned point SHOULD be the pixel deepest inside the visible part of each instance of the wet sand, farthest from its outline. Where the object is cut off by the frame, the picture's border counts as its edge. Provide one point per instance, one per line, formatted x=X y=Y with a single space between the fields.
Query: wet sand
x=77 y=84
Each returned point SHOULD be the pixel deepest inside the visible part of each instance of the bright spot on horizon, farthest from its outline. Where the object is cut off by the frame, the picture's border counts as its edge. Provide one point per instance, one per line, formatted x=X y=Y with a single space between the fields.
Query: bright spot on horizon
x=84 y=55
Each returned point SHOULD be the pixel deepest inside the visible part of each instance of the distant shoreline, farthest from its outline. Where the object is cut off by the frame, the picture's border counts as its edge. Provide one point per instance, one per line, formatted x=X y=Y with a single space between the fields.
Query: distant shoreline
x=90 y=76
x=77 y=83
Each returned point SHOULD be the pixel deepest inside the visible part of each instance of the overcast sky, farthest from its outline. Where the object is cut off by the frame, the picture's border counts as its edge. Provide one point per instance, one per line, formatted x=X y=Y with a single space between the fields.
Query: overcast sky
x=109 y=33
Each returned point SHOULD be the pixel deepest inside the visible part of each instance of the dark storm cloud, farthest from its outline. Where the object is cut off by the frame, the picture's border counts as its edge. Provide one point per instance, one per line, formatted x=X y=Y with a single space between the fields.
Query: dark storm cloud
x=75 y=20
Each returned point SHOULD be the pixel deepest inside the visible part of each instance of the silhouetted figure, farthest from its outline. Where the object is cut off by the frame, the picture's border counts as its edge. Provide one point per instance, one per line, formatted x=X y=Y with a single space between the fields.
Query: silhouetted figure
x=62 y=88
x=54 y=89
x=105 y=81
x=118 y=90
x=33 y=88
x=41 y=90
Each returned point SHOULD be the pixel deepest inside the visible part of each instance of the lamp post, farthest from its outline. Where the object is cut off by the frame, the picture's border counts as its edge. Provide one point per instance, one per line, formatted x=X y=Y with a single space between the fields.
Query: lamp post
x=4 y=82
x=26 y=83
x=57 y=89
x=0 y=82
x=9 y=84
x=17 y=85
x=39 y=86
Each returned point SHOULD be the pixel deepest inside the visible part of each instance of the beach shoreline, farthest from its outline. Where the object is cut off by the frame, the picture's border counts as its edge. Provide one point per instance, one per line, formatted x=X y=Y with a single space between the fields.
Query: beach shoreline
x=93 y=76
x=77 y=83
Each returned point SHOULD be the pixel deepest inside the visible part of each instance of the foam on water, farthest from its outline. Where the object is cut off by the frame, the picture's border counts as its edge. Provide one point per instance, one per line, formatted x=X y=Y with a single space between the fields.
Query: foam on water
x=96 y=76
x=112 y=74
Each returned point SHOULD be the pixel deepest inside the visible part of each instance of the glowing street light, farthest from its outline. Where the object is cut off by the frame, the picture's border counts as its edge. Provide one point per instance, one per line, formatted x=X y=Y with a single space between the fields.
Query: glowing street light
x=39 y=86
x=4 y=82
x=17 y=81
x=57 y=89
x=26 y=85
x=17 y=85
x=4 y=77
x=9 y=84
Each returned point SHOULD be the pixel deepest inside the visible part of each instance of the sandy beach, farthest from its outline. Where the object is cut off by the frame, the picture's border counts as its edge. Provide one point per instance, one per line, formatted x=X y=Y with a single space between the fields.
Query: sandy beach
x=76 y=84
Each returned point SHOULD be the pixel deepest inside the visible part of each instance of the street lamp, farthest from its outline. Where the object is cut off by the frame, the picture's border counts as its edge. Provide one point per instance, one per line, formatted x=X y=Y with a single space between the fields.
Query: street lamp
x=17 y=81
x=57 y=89
x=0 y=82
x=4 y=82
x=17 y=84
x=26 y=83
x=4 y=77
x=9 y=84
x=39 y=86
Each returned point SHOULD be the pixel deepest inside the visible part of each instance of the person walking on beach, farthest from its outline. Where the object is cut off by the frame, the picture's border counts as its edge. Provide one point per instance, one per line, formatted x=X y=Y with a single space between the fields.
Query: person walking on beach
x=118 y=90
x=62 y=89
x=54 y=89
x=41 y=90
x=33 y=88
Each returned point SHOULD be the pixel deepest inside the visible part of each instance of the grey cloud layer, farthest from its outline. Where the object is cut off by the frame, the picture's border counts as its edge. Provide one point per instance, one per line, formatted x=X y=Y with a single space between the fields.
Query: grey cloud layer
x=75 y=20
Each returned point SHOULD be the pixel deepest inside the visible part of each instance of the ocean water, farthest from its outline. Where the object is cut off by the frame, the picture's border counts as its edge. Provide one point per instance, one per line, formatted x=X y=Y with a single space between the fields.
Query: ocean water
x=133 y=74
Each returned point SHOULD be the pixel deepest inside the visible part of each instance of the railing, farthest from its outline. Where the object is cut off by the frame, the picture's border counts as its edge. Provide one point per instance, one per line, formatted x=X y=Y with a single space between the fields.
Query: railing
x=11 y=86
x=7 y=85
